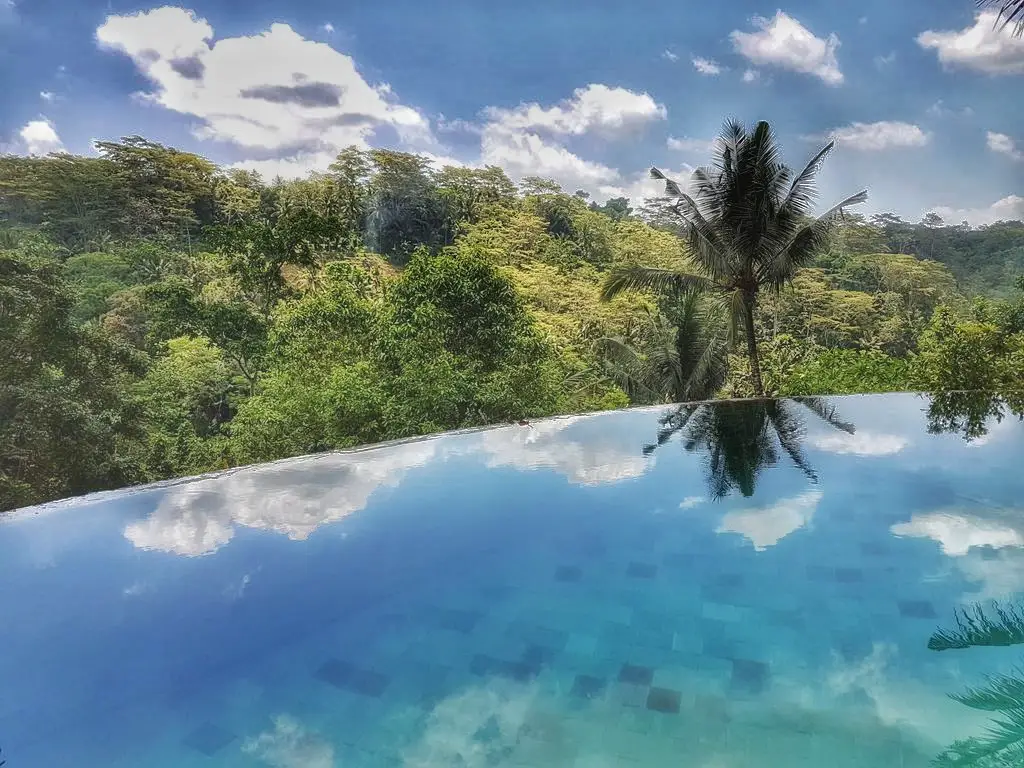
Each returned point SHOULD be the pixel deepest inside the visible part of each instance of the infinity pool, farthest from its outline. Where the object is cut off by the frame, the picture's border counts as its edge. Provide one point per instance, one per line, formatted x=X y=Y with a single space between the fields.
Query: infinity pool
x=775 y=584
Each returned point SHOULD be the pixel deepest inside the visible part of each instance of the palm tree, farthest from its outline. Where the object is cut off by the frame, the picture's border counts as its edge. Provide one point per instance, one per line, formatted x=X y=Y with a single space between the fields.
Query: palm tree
x=747 y=224
x=740 y=438
x=681 y=356
x=1010 y=12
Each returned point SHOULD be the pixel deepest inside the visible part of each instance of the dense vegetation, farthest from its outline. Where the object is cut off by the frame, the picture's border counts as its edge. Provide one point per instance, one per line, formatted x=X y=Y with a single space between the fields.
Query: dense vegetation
x=160 y=316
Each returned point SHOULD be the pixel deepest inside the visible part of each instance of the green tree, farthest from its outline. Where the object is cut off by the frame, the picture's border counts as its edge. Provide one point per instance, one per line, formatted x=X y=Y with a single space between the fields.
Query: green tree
x=747 y=225
x=678 y=361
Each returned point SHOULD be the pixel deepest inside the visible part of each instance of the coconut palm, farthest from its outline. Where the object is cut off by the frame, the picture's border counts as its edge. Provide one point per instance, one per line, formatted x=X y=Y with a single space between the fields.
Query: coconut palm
x=1011 y=12
x=681 y=355
x=747 y=224
x=742 y=438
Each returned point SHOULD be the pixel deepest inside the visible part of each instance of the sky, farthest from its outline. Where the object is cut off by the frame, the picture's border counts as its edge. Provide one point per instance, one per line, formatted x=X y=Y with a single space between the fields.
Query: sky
x=923 y=96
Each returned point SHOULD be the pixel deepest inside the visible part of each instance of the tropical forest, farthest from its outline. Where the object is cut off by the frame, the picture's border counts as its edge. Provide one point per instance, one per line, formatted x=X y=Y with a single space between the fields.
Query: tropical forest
x=161 y=316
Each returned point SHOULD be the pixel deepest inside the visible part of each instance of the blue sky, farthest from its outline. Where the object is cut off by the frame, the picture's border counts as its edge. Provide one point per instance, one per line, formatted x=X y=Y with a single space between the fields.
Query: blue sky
x=923 y=95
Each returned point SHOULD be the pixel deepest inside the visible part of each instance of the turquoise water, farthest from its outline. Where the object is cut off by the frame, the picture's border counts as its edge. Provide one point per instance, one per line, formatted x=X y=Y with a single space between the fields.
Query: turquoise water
x=554 y=594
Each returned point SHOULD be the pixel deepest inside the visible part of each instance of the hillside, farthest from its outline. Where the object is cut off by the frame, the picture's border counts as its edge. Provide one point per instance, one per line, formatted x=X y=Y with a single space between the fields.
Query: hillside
x=160 y=316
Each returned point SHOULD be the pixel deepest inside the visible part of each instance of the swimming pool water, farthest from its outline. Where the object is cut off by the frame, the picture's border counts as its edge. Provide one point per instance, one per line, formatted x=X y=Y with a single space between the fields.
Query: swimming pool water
x=551 y=594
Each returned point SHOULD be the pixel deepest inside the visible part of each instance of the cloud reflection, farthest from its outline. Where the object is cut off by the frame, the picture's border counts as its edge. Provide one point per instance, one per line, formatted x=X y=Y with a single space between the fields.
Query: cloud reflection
x=290 y=745
x=766 y=526
x=293 y=498
x=296 y=497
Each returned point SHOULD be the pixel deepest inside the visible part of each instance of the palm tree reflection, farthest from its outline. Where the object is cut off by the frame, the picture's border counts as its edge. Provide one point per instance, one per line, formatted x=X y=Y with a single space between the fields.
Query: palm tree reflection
x=1002 y=745
x=743 y=438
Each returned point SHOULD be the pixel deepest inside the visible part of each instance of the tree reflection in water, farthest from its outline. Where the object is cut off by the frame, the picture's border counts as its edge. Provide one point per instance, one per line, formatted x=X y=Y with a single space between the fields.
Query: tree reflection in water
x=744 y=437
x=970 y=414
x=1002 y=745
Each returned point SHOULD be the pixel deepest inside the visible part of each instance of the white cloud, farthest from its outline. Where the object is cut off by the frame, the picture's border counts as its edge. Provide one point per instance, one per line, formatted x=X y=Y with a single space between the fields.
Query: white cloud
x=1004 y=145
x=785 y=43
x=240 y=93
x=691 y=501
x=1010 y=208
x=957 y=532
x=40 y=137
x=523 y=153
x=750 y=75
x=939 y=109
x=873 y=137
x=47 y=95
x=667 y=54
x=986 y=47
x=594 y=108
x=884 y=61
x=706 y=66
x=767 y=526
x=328 y=27
x=686 y=144
x=859 y=443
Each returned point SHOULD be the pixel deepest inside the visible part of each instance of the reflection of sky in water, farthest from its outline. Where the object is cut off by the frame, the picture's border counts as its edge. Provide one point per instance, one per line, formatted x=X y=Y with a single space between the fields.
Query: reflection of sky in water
x=472 y=600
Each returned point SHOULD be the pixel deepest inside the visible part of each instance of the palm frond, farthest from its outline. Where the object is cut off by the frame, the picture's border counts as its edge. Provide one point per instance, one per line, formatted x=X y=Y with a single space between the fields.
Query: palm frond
x=825 y=411
x=639 y=278
x=1002 y=746
x=802 y=191
x=802 y=246
x=1011 y=12
x=1001 y=693
x=671 y=187
x=976 y=627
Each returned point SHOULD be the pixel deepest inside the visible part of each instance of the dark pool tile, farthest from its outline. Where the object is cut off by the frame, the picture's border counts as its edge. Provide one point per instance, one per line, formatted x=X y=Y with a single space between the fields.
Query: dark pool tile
x=336 y=673
x=631 y=673
x=729 y=580
x=820 y=573
x=458 y=621
x=989 y=552
x=663 y=700
x=874 y=548
x=747 y=675
x=368 y=683
x=587 y=686
x=538 y=655
x=568 y=573
x=641 y=570
x=209 y=739
x=917 y=609
x=849 y=575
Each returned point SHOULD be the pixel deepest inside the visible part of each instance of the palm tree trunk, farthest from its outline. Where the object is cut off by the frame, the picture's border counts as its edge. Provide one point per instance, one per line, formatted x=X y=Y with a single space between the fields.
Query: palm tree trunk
x=749 y=302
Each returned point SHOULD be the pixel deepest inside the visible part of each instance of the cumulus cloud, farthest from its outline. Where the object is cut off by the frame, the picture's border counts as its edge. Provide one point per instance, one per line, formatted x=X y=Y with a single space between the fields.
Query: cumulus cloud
x=240 y=93
x=785 y=43
x=873 y=137
x=766 y=526
x=706 y=66
x=328 y=27
x=860 y=443
x=686 y=144
x=1009 y=208
x=528 y=140
x=986 y=46
x=750 y=75
x=524 y=153
x=40 y=137
x=593 y=108
x=47 y=95
x=1004 y=145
